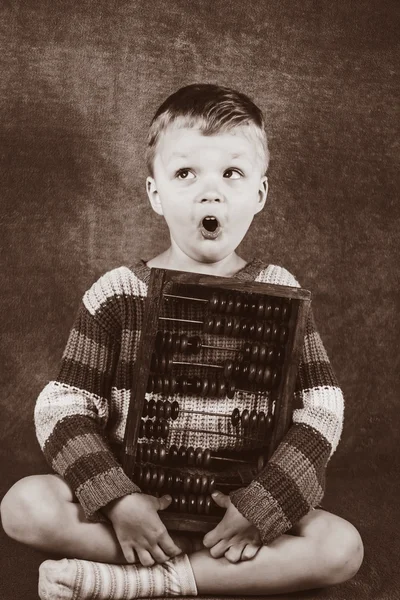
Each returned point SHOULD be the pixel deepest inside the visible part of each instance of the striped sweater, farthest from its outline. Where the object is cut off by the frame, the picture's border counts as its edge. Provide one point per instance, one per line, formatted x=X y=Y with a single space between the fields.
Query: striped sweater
x=80 y=416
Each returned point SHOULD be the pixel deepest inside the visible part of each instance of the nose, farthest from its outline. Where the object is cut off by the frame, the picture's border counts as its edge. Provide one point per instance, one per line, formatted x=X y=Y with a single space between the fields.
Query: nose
x=211 y=195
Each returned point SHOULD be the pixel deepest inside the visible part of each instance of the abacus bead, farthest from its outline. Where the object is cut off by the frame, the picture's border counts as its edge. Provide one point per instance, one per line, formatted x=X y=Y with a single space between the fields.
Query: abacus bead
x=187 y=483
x=236 y=327
x=229 y=305
x=182 y=455
x=154 y=453
x=151 y=408
x=169 y=480
x=141 y=428
x=269 y=422
x=260 y=308
x=259 y=332
x=228 y=369
x=206 y=457
x=184 y=343
x=214 y=302
x=275 y=332
x=275 y=378
x=270 y=355
x=221 y=388
x=146 y=476
x=267 y=377
x=207 y=505
x=253 y=419
x=190 y=456
x=208 y=324
x=192 y=504
x=268 y=310
x=253 y=306
x=159 y=409
x=283 y=334
x=204 y=484
x=222 y=303
x=230 y=389
x=251 y=329
x=235 y=417
x=149 y=429
x=162 y=454
x=245 y=307
x=195 y=344
x=218 y=325
x=247 y=350
x=254 y=353
x=158 y=384
x=285 y=313
x=176 y=342
x=159 y=342
x=228 y=324
x=161 y=478
x=174 y=410
x=182 y=503
x=211 y=484
x=150 y=384
x=139 y=452
x=262 y=353
x=237 y=305
x=280 y=353
x=196 y=484
x=252 y=372
x=197 y=385
x=175 y=503
x=167 y=409
x=183 y=384
x=147 y=453
x=244 y=370
x=166 y=385
x=177 y=481
x=261 y=422
x=168 y=341
x=173 y=453
x=277 y=310
x=244 y=327
x=173 y=384
x=267 y=332
x=212 y=388
x=245 y=418
x=154 y=479
x=204 y=387
x=164 y=429
x=200 y=504
x=198 y=457
x=145 y=410
x=154 y=363
x=158 y=428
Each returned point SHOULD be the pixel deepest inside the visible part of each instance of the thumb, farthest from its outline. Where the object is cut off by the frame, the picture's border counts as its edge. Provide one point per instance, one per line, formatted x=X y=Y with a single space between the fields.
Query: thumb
x=164 y=502
x=221 y=499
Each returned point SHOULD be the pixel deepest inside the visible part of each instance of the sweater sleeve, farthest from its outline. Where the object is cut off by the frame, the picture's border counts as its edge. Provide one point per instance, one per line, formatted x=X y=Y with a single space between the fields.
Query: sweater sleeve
x=293 y=481
x=72 y=411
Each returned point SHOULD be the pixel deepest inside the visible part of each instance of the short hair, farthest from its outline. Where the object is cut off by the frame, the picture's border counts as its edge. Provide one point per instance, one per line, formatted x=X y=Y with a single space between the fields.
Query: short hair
x=211 y=109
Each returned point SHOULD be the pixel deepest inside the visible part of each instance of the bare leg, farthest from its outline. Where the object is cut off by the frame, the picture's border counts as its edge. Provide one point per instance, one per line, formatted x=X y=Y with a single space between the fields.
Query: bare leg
x=41 y=511
x=324 y=550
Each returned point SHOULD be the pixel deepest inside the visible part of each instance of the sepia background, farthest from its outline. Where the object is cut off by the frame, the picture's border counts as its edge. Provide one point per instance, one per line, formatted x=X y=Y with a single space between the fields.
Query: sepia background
x=79 y=83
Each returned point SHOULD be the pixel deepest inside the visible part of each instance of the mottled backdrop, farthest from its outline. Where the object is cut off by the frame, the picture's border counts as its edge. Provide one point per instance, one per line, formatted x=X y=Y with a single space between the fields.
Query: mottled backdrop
x=79 y=83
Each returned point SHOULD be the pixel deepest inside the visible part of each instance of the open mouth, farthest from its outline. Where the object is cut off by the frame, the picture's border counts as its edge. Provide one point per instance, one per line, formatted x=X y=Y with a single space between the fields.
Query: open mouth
x=210 y=228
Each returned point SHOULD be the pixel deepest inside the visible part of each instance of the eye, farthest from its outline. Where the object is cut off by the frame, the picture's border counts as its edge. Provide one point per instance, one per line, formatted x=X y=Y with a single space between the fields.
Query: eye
x=183 y=174
x=237 y=173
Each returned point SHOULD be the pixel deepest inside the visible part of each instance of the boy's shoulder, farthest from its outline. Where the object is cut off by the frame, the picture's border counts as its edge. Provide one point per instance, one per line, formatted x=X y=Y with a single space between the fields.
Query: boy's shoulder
x=274 y=274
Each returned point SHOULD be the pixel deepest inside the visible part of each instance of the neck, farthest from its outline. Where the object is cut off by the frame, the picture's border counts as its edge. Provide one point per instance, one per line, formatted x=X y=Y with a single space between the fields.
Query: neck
x=227 y=267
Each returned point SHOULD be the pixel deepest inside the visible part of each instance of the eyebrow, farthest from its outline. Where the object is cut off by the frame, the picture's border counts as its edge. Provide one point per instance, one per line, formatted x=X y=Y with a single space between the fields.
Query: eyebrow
x=181 y=155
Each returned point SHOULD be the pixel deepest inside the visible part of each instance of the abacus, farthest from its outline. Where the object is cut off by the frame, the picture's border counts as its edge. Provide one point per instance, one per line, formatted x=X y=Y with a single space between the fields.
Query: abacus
x=212 y=388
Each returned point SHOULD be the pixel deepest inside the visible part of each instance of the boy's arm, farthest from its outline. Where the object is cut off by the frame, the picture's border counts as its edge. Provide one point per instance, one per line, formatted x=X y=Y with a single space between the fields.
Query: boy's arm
x=71 y=412
x=293 y=481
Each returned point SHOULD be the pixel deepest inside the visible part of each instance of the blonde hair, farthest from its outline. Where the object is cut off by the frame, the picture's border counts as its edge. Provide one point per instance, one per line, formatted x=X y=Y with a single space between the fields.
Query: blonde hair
x=211 y=109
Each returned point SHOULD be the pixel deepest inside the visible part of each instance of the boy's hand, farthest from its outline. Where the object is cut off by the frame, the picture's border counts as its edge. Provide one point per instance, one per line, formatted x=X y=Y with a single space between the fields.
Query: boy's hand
x=234 y=537
x=139 y=528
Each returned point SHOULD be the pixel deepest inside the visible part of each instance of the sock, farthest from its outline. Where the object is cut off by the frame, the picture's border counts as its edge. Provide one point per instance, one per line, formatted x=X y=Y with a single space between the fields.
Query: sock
x=75 y=579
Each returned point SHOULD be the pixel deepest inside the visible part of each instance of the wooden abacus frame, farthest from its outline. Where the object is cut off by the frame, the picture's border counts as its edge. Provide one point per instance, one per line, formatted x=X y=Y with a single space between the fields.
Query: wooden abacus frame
x=159 y=279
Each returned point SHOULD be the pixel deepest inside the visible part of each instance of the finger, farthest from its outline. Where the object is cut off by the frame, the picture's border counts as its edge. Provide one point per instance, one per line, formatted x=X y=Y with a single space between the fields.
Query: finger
x=219 y=549
x=145 y=558
x=158 y=554
x=168 y=545
x=234 y=553
x=249 y=551
x=129 y=554
x=164 y=502
x=212 y=537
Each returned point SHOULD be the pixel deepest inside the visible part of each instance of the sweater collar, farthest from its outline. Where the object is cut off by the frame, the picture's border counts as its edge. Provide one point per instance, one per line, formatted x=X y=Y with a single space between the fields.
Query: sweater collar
x=248 y=273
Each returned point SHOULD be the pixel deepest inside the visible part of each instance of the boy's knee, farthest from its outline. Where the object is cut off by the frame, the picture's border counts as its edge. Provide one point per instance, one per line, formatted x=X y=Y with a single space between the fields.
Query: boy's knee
x=26 y=510
x=341 y=553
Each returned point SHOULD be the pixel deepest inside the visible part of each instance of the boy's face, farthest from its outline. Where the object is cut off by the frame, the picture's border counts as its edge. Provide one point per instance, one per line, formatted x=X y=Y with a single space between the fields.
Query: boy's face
x=208 y=188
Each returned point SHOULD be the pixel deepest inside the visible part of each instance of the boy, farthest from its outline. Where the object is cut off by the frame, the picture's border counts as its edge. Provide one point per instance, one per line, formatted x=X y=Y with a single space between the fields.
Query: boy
x=207 y=159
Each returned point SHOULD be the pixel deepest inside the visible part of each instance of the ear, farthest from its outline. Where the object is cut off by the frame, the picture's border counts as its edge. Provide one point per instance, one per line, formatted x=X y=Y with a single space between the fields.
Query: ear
x=262 y=194
x=153 y=195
